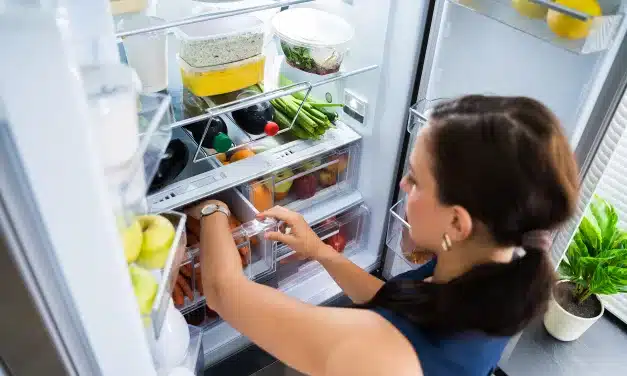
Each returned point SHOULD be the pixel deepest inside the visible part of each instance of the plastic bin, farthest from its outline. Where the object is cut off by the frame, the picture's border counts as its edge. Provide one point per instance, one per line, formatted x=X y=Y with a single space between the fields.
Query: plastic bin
x=221 y=41
x=344 y=232
x=257 y=253
x=314 y=180
x=221 y=79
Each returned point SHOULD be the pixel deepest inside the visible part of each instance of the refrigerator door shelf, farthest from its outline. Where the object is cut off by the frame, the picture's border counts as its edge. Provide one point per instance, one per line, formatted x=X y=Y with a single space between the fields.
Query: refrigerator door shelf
x=270 y=158
x=602 y=29
x=399 y=240
x=166 y=277
x=129 y=182
x=256 y=252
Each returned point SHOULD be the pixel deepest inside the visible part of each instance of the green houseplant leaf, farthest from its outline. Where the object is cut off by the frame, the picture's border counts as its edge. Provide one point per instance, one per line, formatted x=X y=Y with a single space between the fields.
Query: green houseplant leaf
x=606 y=219
x=591 y=235
x=596 y=258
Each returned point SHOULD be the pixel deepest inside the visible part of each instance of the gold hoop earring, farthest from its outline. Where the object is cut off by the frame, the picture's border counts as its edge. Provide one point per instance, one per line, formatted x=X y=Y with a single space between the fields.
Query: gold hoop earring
x=446 y=242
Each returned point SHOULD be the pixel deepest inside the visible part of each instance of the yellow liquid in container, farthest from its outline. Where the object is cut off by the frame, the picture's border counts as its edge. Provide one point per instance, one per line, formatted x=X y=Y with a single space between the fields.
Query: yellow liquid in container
x=224 y=78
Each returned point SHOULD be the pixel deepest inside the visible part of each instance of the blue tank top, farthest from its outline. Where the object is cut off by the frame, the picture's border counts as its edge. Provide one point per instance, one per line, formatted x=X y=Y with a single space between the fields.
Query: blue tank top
x=463 y=354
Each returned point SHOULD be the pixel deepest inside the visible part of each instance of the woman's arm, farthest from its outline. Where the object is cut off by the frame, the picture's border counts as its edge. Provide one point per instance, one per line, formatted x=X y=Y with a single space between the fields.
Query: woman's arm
x=359 y=285
x=314 y=340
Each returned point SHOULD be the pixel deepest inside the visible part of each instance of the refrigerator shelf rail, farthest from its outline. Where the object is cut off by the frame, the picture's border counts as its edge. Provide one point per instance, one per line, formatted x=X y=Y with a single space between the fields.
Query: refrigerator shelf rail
x=271 y=4
x=602 y=29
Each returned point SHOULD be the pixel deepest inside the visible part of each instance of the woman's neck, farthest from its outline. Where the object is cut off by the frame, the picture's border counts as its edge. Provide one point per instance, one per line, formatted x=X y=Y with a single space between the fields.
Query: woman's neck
x=456 y=262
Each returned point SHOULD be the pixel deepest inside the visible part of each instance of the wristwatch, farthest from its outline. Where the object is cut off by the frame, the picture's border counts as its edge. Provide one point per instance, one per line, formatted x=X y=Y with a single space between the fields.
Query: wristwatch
x=213 y=208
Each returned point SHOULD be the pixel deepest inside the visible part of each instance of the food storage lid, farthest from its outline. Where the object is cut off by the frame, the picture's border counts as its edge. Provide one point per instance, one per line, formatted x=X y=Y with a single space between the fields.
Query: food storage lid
x=221 y=28
x=312 y=27
x=189 y=69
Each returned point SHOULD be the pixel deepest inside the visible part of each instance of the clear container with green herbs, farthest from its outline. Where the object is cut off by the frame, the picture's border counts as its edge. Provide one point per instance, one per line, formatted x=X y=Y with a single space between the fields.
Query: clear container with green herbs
x=312 y=40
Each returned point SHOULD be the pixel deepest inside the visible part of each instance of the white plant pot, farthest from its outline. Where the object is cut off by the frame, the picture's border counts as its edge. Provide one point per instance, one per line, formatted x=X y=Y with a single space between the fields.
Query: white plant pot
x=565 y=326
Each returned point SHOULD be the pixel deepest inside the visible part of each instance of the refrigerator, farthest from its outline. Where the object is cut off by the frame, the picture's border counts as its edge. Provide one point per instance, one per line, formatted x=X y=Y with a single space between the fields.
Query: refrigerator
x=60 y=216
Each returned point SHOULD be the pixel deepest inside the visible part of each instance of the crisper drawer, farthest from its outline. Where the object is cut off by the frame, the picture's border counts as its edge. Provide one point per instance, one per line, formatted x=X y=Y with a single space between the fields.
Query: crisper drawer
x=344 y=232
x=257 y=255
x=398 y=240
x=302 y=185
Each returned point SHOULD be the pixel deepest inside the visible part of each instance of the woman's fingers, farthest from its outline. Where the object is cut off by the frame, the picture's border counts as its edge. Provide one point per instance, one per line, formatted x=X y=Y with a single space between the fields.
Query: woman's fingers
x=280 y=213
x=279 y=237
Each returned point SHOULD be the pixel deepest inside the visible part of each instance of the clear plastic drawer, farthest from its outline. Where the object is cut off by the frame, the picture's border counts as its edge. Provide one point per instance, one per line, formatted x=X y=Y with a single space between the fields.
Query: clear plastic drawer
x=344 y=232
x=258 y=257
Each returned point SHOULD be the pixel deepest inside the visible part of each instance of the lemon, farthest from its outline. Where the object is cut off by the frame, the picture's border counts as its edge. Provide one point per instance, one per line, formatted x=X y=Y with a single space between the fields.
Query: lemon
x=529 y=9
x=569 y=27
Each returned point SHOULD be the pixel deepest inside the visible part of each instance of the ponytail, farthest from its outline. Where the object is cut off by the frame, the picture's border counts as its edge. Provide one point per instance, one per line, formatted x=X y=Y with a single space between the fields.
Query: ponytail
x=496 y=299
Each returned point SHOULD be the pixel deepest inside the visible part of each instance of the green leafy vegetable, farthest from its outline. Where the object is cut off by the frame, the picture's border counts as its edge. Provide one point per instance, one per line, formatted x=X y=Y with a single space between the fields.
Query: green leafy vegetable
x=596 y=259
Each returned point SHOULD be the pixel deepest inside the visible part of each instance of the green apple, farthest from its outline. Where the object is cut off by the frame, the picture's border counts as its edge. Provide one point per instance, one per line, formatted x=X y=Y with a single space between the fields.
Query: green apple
x=132 y=238
x=283 y=187
x=310 y=165
x=145 y=287
x=158 y=235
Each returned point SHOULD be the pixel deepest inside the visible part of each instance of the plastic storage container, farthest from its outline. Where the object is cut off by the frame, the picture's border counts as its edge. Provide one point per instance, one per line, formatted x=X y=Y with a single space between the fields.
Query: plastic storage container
x=307 y=183
x=344 y=232
x=222 y=79
x=312 y=40
x=221 y=41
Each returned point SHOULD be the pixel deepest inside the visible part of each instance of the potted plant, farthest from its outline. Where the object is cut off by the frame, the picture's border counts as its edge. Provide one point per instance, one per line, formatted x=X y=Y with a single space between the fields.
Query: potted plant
x=595 y=264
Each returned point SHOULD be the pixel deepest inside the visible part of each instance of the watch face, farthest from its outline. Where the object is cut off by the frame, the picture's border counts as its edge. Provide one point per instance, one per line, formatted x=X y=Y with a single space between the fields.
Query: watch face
x=209 y=209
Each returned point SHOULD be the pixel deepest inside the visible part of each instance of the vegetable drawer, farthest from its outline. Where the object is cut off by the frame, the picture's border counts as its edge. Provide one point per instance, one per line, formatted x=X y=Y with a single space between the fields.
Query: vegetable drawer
x=255 y=252
x=305 y=184
x=399 y=241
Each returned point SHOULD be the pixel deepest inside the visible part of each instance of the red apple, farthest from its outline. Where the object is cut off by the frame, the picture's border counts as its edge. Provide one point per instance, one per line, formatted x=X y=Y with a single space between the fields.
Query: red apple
x=305 y=187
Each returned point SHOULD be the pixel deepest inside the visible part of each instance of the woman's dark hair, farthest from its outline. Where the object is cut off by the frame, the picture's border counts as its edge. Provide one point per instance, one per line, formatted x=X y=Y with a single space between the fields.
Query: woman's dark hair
x=506 y=161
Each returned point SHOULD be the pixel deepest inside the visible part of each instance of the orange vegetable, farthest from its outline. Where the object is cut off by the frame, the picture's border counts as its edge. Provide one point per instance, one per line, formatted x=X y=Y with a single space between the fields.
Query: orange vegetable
x=261 y=197
x=241 y=154
x=177 y=295
x=187 y=290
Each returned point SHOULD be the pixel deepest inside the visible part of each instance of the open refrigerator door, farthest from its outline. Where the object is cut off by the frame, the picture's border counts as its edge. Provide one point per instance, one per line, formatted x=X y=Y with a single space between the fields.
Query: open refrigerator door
x=522 y=48
x=193 y=120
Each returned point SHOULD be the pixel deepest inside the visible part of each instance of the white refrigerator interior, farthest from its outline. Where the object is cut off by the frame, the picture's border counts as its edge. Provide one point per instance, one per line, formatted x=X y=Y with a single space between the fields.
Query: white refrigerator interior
x=462 y=46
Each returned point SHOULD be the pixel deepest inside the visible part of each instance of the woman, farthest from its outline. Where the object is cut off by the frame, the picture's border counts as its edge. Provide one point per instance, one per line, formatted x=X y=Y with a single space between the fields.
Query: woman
x=487 y=175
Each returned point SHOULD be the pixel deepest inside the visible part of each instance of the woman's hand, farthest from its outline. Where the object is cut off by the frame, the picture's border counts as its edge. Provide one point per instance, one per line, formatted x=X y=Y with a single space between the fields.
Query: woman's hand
x=297 y=235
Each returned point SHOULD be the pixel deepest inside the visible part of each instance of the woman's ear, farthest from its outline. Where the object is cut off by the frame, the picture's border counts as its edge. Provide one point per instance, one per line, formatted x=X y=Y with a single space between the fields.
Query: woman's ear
x=461 y=224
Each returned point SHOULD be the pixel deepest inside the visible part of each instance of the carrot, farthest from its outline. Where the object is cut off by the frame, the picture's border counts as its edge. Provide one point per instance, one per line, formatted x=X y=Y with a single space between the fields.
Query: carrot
x=198 y=279
x=245 y=253
x=185 y=286
x=177 y=295
x=186 y=270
